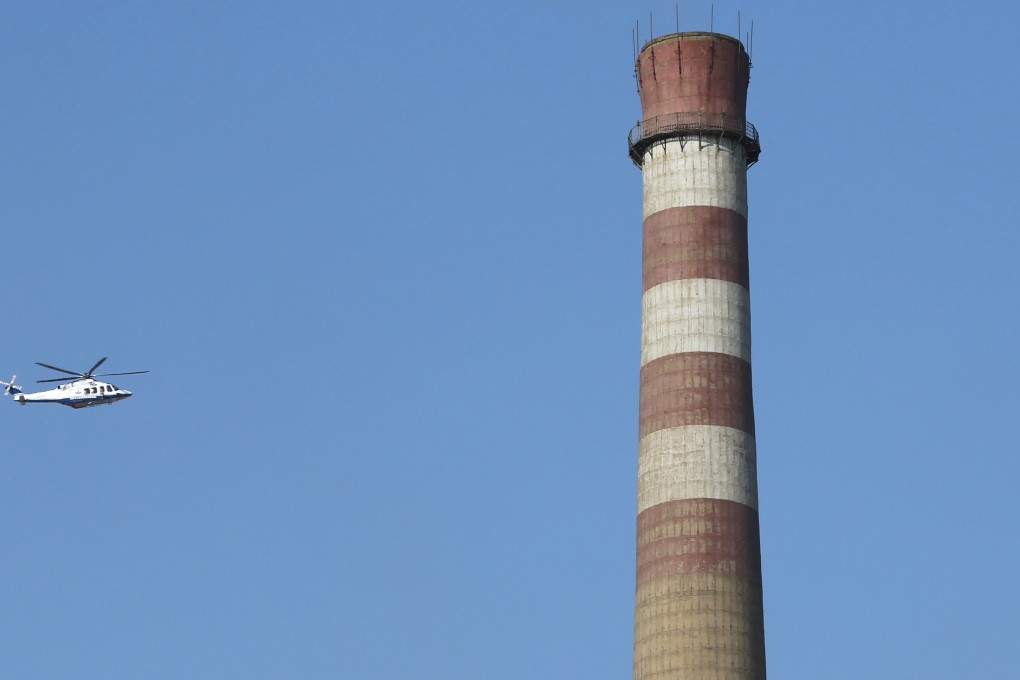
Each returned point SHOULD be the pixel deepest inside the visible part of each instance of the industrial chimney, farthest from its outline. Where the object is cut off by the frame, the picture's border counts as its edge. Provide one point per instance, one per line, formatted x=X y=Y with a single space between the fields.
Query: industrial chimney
x=698 y=609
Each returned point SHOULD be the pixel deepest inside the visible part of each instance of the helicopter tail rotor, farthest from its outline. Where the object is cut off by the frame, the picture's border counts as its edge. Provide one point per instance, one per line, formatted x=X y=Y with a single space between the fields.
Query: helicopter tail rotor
x=11 y=388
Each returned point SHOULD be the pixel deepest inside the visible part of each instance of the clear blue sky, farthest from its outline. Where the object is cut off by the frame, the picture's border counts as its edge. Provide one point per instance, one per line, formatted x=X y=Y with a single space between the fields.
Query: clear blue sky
x=383 y=262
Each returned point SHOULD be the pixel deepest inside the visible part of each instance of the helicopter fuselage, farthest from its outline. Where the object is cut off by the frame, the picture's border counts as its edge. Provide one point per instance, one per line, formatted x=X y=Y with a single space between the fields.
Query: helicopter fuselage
x=77 y=394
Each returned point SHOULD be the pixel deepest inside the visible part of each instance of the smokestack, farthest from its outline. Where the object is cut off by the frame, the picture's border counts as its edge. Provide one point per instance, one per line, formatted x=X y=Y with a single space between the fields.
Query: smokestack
x=698 y=609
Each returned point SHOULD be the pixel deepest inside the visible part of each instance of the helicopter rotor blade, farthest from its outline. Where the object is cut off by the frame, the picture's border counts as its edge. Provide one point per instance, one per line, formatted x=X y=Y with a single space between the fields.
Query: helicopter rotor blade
x=62 y=370
x=103 y=375
x=98 y=364
x=58 y=379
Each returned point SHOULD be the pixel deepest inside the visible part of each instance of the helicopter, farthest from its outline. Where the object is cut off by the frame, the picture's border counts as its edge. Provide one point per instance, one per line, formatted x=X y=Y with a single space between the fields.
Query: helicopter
x=83 y=390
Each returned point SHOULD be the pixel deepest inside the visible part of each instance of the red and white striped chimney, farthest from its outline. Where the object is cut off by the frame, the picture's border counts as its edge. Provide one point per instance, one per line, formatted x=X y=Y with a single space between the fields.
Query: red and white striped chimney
x=698 y=609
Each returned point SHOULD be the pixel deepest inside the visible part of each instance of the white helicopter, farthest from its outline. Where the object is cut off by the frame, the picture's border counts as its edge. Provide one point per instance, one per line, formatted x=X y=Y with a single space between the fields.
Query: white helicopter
x=83 y=390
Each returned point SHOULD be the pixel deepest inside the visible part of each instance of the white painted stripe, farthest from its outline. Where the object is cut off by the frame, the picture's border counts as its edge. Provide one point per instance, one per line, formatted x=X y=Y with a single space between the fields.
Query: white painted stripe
x=697 y=461
x=680 y=174
x=695 y=315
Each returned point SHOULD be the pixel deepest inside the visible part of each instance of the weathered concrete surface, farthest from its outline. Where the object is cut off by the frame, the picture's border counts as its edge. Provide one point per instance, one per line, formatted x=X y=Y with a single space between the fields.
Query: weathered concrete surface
x=697 y=461
x=699 y=626
x=695 y=315
x=687 y=173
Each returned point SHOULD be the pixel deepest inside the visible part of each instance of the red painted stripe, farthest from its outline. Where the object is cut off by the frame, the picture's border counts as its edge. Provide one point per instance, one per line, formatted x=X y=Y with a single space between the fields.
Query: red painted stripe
x=696 y=388
x=693 y=73
x=700 y=535
x=697 y=242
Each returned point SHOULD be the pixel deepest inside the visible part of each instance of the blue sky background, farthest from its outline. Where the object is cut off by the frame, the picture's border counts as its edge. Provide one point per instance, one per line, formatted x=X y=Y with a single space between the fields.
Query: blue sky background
x=383 y=262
